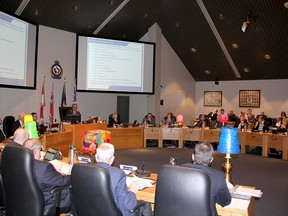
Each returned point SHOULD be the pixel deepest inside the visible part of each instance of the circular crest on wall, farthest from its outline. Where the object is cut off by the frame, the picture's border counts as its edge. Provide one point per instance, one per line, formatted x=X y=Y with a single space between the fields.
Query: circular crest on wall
x=56 y=70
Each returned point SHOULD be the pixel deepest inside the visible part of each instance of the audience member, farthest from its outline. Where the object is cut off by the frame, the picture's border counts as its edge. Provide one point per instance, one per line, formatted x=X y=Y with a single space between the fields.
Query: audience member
x=48 y=178
x=20 y=136
x=213 y=115
x=262 y=113
x=283 y=115
x=243 y=113
x=261 y=125
x=231 y=115
x=114 y=120
x=250 y=116
x=149 y=119
x=19 y=123
x=2 y=134
x=169 y=119
x=202 y=158
x=124 y=197
x=223 y=117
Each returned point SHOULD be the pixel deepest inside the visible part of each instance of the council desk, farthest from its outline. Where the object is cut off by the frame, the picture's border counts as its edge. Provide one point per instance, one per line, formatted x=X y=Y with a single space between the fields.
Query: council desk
x=246 y=139
x=131 y=137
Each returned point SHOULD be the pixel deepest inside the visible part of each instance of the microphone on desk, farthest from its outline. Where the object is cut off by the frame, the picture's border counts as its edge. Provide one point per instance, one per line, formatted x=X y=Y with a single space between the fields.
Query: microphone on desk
x=143 y=173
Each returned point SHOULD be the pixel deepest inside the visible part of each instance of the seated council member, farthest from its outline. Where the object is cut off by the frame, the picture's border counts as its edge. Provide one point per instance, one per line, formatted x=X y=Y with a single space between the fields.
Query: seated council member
x=261 y=125
x=150 y=120
x=169 y=119
x=125 y=198
x=201 y=123
x=74 y=109
x=19 y=123
x=48 y=178
x=114 y=120
x=202 y=158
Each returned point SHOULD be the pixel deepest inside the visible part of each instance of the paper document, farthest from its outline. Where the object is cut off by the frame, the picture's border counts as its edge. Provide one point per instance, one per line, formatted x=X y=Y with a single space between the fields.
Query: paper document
x=143 y=183
x=249 y=191
x=62 y=167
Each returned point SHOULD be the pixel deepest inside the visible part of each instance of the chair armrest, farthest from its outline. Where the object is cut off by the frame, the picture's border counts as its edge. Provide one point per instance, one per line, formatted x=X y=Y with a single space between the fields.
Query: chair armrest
x=146 y=207
x=57 y=198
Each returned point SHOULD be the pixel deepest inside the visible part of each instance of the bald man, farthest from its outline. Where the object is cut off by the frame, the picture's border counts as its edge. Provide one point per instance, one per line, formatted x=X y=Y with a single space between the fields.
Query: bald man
x=20 y=136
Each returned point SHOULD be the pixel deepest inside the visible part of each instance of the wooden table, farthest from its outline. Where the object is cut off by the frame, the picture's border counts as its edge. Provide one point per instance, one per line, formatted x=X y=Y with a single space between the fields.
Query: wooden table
x=247 y=209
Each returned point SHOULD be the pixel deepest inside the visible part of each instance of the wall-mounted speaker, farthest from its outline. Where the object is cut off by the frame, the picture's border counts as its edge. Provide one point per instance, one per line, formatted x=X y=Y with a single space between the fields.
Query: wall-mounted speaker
x=216 y=82
x=161 y=102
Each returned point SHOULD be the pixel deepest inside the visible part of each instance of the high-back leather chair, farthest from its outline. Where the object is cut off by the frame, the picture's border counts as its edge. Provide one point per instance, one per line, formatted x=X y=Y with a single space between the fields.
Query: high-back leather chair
x=91 y=191
x=7 y=125
x=182 y=191
x=23 y=195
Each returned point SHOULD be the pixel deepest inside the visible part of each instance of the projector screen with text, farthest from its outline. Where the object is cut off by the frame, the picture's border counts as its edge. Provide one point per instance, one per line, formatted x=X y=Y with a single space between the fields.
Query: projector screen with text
x=106 y=65
x=18 y=45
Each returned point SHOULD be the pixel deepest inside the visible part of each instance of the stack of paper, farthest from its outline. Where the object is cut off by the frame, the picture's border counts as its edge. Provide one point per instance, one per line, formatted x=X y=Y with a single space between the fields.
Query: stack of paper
x=143 y=183
x=62 y=167
x=248 y=191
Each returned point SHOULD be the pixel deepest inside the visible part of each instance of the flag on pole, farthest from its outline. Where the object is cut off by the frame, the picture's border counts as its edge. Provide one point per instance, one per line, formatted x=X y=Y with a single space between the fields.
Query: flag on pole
x=51 y=116
x=63 y=101
x=74 y=94
x=43 y=103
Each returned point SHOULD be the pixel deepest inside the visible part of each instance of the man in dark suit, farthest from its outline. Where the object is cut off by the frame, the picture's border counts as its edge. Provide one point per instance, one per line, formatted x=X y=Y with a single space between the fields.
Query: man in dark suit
x=48 y=178
x=74 y=109
x=202 y=158
x=19 y=123
x=124 y=197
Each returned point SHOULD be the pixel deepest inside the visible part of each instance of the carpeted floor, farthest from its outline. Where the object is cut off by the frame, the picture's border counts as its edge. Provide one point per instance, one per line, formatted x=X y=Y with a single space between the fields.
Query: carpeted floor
x=270 y=175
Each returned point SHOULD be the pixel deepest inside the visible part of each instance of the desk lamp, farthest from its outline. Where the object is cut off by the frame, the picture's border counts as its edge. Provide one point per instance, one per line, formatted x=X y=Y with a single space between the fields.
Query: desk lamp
x=228 y=144
x=180 y=120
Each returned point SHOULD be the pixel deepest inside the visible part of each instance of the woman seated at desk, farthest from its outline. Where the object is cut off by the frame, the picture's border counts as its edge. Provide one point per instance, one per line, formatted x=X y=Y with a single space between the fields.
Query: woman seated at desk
x=169 y=120
x=114 y=120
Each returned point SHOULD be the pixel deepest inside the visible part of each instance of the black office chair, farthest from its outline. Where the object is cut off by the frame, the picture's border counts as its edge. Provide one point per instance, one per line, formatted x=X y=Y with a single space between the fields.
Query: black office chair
x=182 y=191
x=2 y=197
x=92 y=191
x=22 y=193
x=7 y=125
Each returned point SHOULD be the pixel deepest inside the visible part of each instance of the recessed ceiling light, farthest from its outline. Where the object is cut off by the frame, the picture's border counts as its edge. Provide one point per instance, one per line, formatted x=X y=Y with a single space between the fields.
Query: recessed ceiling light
x=267 y=56
x=286 y=4
x=145 y=15
x=207 y=72
x=75 y=7
x=235 y=46
x=246 y=70
x=194 y=50
x=177 y=25
x=36 y=12
x=221 y=16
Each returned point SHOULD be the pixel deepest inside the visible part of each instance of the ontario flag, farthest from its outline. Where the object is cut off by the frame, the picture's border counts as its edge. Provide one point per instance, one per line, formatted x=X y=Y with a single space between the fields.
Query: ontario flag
x=74 y=93
x=63 y=101
x=43 y=103
x=51 y=116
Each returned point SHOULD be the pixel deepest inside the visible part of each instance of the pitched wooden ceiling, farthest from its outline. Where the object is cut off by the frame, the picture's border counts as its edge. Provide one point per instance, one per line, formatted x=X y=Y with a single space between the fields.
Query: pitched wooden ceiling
x=205 y=34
